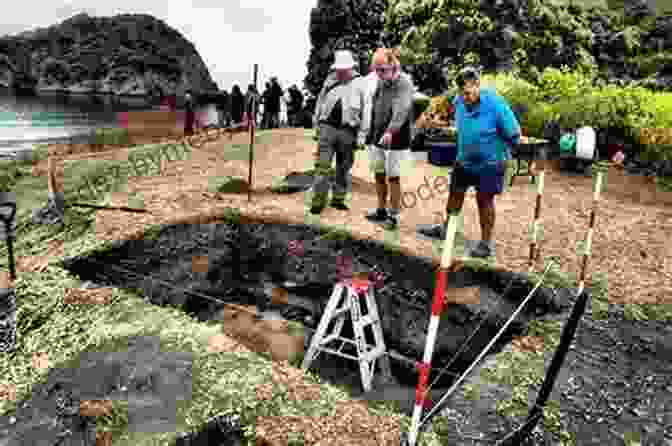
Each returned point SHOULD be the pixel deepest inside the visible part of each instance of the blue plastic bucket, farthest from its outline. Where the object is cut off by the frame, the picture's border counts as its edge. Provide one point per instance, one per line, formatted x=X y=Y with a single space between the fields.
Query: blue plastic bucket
x=442 y=153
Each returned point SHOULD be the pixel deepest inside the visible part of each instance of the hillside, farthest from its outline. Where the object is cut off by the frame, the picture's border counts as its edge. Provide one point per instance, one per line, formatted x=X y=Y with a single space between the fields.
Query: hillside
x=134 y=54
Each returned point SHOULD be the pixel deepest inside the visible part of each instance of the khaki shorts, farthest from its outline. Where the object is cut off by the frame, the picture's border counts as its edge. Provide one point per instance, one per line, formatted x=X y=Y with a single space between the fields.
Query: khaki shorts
x=385 y=161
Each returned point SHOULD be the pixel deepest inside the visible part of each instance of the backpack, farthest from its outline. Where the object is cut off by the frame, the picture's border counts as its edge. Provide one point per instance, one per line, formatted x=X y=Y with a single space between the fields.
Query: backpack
x=335 y=118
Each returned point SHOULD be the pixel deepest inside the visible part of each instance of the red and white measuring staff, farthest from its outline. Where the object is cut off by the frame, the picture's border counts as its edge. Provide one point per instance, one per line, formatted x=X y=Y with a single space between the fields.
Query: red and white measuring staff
x=597 y=189
x=421 y=400
x=537 y=216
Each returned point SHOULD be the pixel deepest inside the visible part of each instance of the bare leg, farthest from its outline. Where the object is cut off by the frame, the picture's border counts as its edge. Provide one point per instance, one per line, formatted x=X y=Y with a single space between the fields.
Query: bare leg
x=455 y=203
x=381 y=190
x=395 y=193
x=486 y=212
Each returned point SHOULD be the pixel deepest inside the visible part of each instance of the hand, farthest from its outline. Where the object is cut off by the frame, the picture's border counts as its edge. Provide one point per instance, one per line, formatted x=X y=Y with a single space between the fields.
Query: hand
x=618 y=158
x=386 y=140
x=361 y=140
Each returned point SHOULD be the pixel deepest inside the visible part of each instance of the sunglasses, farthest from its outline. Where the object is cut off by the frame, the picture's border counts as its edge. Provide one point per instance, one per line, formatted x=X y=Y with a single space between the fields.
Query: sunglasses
x=384 y=68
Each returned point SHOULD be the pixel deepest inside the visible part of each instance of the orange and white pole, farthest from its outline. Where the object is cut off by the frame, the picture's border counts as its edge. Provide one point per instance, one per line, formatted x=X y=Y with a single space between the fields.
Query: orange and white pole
x=536 y=227
x=421 y=400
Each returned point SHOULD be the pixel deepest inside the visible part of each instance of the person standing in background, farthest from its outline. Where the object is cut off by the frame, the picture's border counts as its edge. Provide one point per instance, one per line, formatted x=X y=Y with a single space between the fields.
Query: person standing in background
x=265 y=99
x=237 y=104
x=190 y=114
x=275 y=97
x=223 y=108
x=338 y=117
x=294 y=105
x=252 y=99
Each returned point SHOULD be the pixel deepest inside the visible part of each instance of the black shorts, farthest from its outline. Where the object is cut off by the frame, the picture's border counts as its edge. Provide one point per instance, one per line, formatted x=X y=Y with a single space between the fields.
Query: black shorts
x=488 y=178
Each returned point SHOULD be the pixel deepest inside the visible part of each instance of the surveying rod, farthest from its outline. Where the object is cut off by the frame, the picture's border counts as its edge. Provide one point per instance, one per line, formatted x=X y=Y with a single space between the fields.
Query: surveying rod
x=537 y=216
x=421 y=400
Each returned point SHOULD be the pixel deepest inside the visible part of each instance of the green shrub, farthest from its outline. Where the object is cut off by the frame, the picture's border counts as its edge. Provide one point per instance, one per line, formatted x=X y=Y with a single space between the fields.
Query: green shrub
x=649 y=64
x=562 y=84
x=512 y=87
x=536 y=118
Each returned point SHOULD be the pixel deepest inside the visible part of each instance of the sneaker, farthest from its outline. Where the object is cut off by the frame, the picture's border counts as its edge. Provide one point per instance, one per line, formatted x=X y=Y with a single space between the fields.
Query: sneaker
x=437 y=232
x=316 y=209
x=377 y=216
x=392 y=222
x=484 y=249
x=340 y=205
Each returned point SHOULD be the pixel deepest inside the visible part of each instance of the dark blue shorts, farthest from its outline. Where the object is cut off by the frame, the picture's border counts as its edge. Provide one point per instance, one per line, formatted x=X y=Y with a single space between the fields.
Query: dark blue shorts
x=488 y=178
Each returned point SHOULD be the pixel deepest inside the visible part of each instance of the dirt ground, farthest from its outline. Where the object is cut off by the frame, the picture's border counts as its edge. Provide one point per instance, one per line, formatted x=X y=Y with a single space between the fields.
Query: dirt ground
x=630 y=244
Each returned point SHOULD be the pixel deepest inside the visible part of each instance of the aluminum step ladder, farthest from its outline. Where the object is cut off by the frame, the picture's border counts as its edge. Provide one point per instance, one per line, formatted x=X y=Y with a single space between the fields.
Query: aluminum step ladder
x=352 y=292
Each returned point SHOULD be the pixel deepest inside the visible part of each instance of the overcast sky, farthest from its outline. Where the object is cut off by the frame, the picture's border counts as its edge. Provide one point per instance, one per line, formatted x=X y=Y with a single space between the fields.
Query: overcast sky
x=230 y=35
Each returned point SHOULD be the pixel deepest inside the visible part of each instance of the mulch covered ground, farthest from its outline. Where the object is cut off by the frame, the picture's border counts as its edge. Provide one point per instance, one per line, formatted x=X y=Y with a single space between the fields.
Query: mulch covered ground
x=631 y=246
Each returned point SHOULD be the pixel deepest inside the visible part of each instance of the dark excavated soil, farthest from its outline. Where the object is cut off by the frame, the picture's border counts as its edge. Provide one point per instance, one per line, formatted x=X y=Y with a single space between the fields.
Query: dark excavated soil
x=241 y=263
x=151 y=381
x=616 y=378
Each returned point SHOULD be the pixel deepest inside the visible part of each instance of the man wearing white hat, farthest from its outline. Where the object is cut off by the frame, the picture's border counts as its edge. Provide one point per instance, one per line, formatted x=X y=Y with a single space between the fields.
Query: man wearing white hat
x=338 y=117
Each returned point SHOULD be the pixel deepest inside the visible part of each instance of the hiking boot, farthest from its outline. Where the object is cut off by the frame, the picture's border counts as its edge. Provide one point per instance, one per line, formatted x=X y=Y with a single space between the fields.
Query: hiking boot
x=377 y=216
x=339 y=204
x=437 y=232
x=484 y=249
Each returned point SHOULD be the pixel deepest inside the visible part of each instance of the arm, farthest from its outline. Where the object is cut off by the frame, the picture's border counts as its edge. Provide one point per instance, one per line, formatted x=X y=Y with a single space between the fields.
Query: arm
x=401 y=107
x=507 y=123
x=368 y=90
x=457 y=107
x=318 y=104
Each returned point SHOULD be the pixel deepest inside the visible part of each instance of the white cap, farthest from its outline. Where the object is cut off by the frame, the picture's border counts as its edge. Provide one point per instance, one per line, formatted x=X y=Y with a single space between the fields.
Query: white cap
x=343 y=60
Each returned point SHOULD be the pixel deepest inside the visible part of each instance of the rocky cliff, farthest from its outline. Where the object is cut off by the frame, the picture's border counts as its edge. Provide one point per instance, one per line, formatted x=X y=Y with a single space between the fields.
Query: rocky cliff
x=129 y=54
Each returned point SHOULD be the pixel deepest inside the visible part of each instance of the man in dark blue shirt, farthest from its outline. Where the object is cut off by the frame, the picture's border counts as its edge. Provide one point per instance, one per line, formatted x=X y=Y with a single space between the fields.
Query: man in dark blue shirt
x=487 y=129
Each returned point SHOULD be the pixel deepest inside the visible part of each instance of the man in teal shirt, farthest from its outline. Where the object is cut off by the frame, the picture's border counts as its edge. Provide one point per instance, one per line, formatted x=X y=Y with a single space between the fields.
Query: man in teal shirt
x=487 y=129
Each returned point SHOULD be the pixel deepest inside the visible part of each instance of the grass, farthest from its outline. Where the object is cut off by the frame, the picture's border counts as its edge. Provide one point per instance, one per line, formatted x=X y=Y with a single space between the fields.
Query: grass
x=222 y=383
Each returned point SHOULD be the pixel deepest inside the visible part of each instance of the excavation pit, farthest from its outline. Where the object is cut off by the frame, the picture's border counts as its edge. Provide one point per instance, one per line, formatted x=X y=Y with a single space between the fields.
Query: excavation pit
x=290 y=271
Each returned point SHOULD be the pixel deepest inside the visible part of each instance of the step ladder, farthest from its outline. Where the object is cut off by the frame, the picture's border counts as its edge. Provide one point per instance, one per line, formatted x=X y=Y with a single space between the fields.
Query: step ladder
x=352 y=291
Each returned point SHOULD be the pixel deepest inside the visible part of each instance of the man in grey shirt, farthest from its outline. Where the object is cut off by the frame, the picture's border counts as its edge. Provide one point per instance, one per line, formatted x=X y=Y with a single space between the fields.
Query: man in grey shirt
x=338 y=117
x=388 y=133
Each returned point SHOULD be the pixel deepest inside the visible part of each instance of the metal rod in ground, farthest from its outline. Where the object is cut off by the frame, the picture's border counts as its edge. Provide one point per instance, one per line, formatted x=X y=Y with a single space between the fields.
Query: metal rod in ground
x=10 y=252
x=489 y=346
x=566 y=339
x=437 y=308
x=568 y=332
x=253 y=122
x=8 y=199
x=113 y=208
x=537 y=216
x=567 y=335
